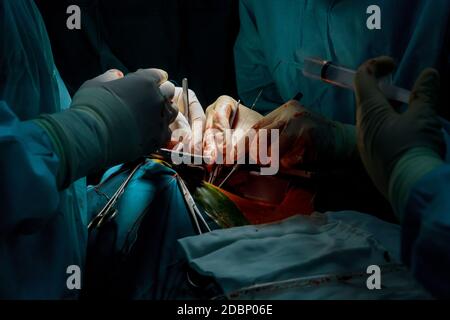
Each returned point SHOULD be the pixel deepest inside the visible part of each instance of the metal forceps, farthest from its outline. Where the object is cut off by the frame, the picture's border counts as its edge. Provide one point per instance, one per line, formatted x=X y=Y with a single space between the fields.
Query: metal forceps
x=109 y=211
x=195 y=213
x=185 y=96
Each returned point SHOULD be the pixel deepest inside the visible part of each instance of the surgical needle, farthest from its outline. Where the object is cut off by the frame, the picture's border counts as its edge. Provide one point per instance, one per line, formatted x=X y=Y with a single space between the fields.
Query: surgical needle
x=237 y=165
x=232 y=120
x=257 y=99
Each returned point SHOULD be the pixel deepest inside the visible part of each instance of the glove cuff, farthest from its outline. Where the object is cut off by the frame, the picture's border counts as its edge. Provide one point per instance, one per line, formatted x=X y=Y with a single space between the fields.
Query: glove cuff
x=411 y=167
x=95 y=133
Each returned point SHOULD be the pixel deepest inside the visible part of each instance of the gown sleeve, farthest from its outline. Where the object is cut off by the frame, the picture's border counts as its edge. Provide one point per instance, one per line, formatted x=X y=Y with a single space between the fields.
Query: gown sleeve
x=28 y=167
x=426 y=229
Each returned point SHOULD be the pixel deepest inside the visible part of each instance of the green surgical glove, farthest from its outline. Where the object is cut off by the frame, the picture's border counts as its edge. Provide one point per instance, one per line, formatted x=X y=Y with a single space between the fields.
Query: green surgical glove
x=112 y=119
x=411 y=142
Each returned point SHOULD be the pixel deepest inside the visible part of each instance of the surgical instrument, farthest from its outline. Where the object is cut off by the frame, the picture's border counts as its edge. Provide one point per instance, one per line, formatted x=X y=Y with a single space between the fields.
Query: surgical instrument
x=217 y=168
x=170 y=155
x=185 y=96
x=233 y=116
x=257 y=99
x=343 y=77
x=192 y=207
x=109 y=211
x=237 y=165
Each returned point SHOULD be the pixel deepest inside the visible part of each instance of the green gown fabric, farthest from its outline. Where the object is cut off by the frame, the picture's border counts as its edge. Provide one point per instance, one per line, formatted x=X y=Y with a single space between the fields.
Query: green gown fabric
x=276 y=36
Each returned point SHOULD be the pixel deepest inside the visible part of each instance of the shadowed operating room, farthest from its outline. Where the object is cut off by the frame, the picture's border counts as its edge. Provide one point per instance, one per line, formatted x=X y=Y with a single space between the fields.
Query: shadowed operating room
x=224 y=150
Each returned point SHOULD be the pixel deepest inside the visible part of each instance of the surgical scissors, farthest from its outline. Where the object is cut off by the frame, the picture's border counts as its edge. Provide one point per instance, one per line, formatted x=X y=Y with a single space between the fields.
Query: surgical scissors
x=109 y=211
x=192 y=207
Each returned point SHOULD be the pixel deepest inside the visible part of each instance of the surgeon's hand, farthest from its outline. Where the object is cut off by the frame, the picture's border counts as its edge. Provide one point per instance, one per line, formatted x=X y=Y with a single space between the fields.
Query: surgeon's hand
x=385 y=136
x=140 y=93
x=218 y=121
x=306 y=138
x=187 y=134
x=112 y=119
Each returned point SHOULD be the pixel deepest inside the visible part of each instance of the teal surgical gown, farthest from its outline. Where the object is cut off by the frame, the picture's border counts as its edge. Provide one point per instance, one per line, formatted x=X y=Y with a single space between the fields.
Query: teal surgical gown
x=276 y=36
x=426 y=228
x=42 y=230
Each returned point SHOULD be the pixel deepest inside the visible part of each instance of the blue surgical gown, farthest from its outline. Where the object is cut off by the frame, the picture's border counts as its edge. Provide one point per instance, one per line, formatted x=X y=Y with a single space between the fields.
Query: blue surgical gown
x=426 y=228
x=42 y=231
x=276 y=36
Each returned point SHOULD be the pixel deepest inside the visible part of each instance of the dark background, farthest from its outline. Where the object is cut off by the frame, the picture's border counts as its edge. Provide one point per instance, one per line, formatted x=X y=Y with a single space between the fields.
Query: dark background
x=187 y=38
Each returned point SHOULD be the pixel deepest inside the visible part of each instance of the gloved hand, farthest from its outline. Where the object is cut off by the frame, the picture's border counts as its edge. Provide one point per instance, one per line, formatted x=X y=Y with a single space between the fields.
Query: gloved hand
x=139 y=93
x=187 y=134
x=218 y=120
x=112 y=119
x=412 y=141
x=307 y=138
